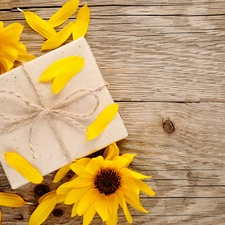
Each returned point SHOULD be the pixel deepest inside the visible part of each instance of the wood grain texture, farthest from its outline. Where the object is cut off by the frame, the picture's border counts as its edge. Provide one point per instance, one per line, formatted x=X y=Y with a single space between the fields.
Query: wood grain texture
x=164 y=60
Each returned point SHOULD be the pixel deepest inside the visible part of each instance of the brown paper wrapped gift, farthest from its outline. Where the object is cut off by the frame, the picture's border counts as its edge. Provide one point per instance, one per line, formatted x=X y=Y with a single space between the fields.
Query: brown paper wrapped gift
x=49 y=130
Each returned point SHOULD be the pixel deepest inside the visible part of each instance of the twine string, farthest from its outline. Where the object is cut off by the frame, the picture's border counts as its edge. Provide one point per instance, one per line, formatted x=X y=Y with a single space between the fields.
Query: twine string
x=40 y=111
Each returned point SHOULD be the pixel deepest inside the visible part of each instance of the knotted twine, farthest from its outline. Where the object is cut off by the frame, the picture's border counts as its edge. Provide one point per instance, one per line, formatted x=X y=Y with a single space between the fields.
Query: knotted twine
x=39 y=111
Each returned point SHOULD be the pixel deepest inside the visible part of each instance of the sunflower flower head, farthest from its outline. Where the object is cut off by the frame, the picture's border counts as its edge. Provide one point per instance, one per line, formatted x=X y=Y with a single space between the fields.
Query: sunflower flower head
x=102 y=185
x=11 y=49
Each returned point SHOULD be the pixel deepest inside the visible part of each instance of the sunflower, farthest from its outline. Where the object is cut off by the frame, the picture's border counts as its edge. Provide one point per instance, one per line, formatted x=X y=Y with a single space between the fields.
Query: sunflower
x=102 y=185
x=11 y=49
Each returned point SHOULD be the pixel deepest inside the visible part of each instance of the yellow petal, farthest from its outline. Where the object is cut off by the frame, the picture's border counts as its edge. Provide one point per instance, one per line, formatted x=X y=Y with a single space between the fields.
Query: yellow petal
x=62 y=79
x=64 y=13
x=111 y=151
x=39 y=25
x=74 y=210
x=58 y=39
x=11 y=200
x=21 y=165
x=9 y=52
x=1 y=25
x=102 y=121
x=123 y=204
x=47 y=195
x=43 y=210
x=89 y=215
x=82 y=22
x=61 y=173
x=25 y=58
x=6 y=64
x=129 y=157
x=139 y=175
x=101 y=206
x=11 y=33
x=62 y=71
x=145 y=188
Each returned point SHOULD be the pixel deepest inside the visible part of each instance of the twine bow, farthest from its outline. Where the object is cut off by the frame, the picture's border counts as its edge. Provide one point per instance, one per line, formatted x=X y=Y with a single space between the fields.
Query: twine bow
x=38 y=111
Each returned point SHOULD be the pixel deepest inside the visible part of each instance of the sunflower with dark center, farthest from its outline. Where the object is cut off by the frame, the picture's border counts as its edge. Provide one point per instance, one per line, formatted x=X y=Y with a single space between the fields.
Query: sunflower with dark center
x=101 y=185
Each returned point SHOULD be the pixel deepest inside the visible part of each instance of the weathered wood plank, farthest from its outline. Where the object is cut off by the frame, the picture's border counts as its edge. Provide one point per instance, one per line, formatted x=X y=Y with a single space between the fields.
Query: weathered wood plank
x=187 y=165
x=183 y=62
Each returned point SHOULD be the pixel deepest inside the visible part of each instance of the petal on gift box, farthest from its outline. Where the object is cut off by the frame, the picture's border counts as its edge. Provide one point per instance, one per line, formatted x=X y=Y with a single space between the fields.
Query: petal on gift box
x=102 y=121
x=61 y=173
x=38 y=24
x=61 y=66
x=64 y=13
x=62 y=79
x=11 y=200
x=82 y=22
x=59 y=38
x=43 y=210
x=21 y=165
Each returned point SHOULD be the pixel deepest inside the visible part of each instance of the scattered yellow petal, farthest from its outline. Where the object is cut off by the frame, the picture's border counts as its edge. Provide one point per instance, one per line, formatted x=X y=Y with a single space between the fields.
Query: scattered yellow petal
x=64 y=13
x=62 y=71
x=21 y=165
x=102 y=121
x=59 y=38
x=61 y=173
x=43 y=210
x=38 y=24
x=25 y=58
x=11 y=200
x=82 y=22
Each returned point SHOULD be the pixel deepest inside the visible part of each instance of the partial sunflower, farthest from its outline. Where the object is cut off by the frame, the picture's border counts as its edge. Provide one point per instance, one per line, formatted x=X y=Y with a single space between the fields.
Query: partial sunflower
x=11 y=49
x=101 y=186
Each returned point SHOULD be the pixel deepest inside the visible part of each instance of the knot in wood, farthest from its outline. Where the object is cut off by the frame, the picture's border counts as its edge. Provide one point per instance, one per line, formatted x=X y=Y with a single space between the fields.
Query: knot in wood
x=168 y=126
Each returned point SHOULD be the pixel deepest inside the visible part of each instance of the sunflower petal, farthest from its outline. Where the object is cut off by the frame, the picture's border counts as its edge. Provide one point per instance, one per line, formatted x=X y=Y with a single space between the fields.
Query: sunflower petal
x=25 y=58
x=61 y=80
x=11 y=200
x=111 y=151
x=81 y=24
x=139 y=175
x=62 y=70
x=101 y=206
x=102 y=121
x=1 y=25
x=21 y=165
x=145 y=188
x=87 y=201
x=64 y=13
x=123 y=204
x=39 y=25
x=61 y=173
x=6 y=64
x=113 y=206
x=43 y=210
x=59 y=38
x=74 y=209
x=75 y=195
x=9 y=52
x=89 y=215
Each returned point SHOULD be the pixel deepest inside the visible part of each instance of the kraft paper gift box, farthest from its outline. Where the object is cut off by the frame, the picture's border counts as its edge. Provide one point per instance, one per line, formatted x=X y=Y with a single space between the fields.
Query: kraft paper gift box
x=46 y=153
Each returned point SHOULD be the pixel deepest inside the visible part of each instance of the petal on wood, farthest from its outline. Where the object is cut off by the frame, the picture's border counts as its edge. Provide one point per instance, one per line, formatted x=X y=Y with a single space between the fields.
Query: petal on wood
x=64 y=13
x=59 y=38
x=21 y=165
x=102 y=121
x=11 y=200
x=25 y=58
x=39 y=25
x=80 y=27
x=43 y=210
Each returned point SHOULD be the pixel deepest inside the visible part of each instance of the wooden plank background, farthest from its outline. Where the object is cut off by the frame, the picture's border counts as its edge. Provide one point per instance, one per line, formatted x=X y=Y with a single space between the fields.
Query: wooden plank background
x=164 y=60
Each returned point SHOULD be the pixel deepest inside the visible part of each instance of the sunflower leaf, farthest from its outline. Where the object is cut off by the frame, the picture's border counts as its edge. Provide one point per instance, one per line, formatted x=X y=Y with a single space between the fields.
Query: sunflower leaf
x=102 y=121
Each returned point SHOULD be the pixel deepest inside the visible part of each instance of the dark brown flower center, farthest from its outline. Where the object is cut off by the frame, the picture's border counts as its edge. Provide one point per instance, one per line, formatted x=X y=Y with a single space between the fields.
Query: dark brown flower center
x=107 y=181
